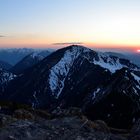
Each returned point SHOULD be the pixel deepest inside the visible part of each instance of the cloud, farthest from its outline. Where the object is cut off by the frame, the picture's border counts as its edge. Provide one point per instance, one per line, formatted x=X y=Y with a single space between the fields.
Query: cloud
x=69 y=43
x=2 y=36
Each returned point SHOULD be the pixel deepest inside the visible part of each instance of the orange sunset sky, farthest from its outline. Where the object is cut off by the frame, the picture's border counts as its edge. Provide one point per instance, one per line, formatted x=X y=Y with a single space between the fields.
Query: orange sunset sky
x=93 y=23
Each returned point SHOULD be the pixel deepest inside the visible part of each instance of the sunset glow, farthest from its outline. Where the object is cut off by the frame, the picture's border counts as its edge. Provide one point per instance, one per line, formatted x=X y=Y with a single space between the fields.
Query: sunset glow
x=103 y=23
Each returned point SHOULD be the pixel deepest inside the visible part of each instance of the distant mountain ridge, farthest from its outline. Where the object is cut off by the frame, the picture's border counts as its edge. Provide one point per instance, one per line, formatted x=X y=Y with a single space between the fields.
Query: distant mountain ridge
x=14 y=55
x=29 y=61
x=135 y=58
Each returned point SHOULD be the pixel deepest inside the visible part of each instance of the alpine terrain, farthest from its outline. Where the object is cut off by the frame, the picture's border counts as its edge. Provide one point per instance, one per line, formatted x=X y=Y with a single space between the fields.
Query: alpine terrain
x=104 y=86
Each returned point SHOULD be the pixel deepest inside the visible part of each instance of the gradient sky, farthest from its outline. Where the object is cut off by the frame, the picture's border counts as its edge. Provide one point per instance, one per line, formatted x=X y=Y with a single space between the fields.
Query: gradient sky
x=100 y=23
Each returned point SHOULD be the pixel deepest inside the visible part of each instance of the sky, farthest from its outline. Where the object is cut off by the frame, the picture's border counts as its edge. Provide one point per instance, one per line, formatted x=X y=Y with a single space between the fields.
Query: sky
x=55 y=23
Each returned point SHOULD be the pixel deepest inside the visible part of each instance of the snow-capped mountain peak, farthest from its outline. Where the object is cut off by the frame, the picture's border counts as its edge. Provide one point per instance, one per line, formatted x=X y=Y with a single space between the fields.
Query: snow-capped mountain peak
x=60 y=71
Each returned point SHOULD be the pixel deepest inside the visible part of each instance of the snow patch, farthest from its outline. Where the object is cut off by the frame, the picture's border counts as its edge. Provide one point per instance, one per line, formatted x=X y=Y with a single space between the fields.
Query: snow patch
x=94 y=93
x=36 y=55
x=137 y=88
x=108 y=63
x=59 y=72
x=137 y=78
x=136 y=92
x=5 y=77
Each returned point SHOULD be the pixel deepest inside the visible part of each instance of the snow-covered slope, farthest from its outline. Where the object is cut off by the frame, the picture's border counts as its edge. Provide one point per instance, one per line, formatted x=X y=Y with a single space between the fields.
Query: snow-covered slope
x=5 y=78
x=125 y=81
x=133 y=56
x=136 y=88
x=60 y=71
x=113 y=63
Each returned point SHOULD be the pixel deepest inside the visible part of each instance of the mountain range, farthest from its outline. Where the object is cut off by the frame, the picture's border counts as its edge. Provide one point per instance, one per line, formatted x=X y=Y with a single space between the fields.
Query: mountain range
x=29 y=61
x=14 y=55
x=104 y=86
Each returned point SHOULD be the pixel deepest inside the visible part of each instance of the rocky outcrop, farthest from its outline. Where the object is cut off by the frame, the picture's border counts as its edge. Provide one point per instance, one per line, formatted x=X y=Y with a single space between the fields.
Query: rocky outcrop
x=70 y=124
x=67 y=128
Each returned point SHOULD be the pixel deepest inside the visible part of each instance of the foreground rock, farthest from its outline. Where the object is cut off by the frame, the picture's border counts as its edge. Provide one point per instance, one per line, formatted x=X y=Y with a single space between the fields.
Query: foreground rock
x=68 y=124
x=68 y=128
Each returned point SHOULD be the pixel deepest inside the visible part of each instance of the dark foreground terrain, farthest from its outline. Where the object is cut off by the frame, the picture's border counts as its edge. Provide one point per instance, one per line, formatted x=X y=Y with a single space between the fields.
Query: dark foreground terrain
x=103 y=86
x=61 y=124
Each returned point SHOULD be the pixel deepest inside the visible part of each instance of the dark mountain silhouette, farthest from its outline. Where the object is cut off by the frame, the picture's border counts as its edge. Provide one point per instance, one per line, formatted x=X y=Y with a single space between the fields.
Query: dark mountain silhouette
x=102 y=85
x=5 y=65
x=29 y=61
